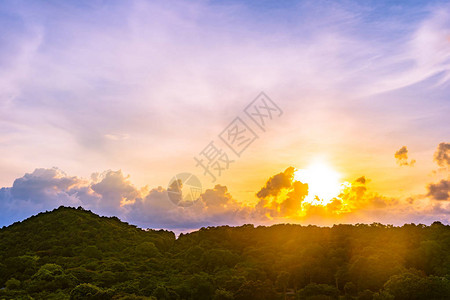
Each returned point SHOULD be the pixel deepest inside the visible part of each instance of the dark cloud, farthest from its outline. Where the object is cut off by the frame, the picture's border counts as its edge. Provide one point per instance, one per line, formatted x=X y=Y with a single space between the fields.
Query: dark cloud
x=361 y=180
x=402 y=157
x=355 y=192
x=294 y=198
x=281 y=195
x=442 y=155
x=440 y=190
x=357 y=196
x=276 y=183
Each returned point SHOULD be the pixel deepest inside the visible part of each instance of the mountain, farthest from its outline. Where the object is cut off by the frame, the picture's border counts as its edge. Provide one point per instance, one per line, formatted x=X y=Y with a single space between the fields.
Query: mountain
x=87 y=246
x=73 y=253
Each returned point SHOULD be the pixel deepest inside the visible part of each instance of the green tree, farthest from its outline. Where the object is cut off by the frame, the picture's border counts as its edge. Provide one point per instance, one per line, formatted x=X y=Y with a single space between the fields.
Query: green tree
x=221 y=294
x=147 y=249
x=350 y=289
x=250 y=290
x=92 y=252
x=314 y=289
x=48 y=272
x=88 y=291
x=283 y=281
x=12 y=284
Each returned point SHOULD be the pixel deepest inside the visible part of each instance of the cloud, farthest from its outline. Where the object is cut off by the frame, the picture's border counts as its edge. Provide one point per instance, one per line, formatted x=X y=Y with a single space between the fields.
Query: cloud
x=281 y=199
x=157 y=211
x=215 y=206
x=402 y=157
x=40 y=190
x=295 y=196
x=114 y=191
x=281 y=196
x=276 y=183
x=361 y=180
x=442 y=155
x=440 y=190
x=218 y=198
x=42 y=184
x=355 y=204
x=356 y=191
x=45 y=189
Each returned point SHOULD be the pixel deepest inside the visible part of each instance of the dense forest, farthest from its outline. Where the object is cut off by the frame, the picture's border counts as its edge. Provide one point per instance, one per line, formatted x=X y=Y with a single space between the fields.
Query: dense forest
x=75 y=254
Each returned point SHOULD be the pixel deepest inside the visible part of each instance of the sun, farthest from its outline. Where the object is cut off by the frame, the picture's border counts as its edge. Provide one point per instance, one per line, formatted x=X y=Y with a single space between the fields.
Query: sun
x=323 y=183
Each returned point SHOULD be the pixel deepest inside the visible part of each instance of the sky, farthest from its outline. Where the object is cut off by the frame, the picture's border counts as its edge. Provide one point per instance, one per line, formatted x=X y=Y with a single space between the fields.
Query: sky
x=102 y=103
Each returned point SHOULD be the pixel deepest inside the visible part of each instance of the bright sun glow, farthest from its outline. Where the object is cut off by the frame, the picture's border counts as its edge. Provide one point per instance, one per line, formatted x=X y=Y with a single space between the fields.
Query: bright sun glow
x=323 y=183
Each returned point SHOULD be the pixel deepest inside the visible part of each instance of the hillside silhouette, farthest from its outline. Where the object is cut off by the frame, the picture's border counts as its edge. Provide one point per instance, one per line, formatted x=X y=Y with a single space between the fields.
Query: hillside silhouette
x=73 y=253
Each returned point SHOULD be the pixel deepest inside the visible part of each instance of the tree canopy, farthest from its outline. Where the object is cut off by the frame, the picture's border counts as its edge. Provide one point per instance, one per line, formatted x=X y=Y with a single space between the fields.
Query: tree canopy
x=75 y=254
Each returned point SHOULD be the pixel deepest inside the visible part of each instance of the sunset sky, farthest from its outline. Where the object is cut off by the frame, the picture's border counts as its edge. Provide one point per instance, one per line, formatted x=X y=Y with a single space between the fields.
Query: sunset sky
x=103 y=102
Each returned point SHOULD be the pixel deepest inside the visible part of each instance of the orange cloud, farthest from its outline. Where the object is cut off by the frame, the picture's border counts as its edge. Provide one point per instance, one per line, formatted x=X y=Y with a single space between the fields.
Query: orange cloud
x=402 y=157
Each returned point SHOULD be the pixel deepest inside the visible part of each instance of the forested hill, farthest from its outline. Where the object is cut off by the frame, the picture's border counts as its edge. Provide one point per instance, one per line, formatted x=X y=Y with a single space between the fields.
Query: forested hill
x=75 y=254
